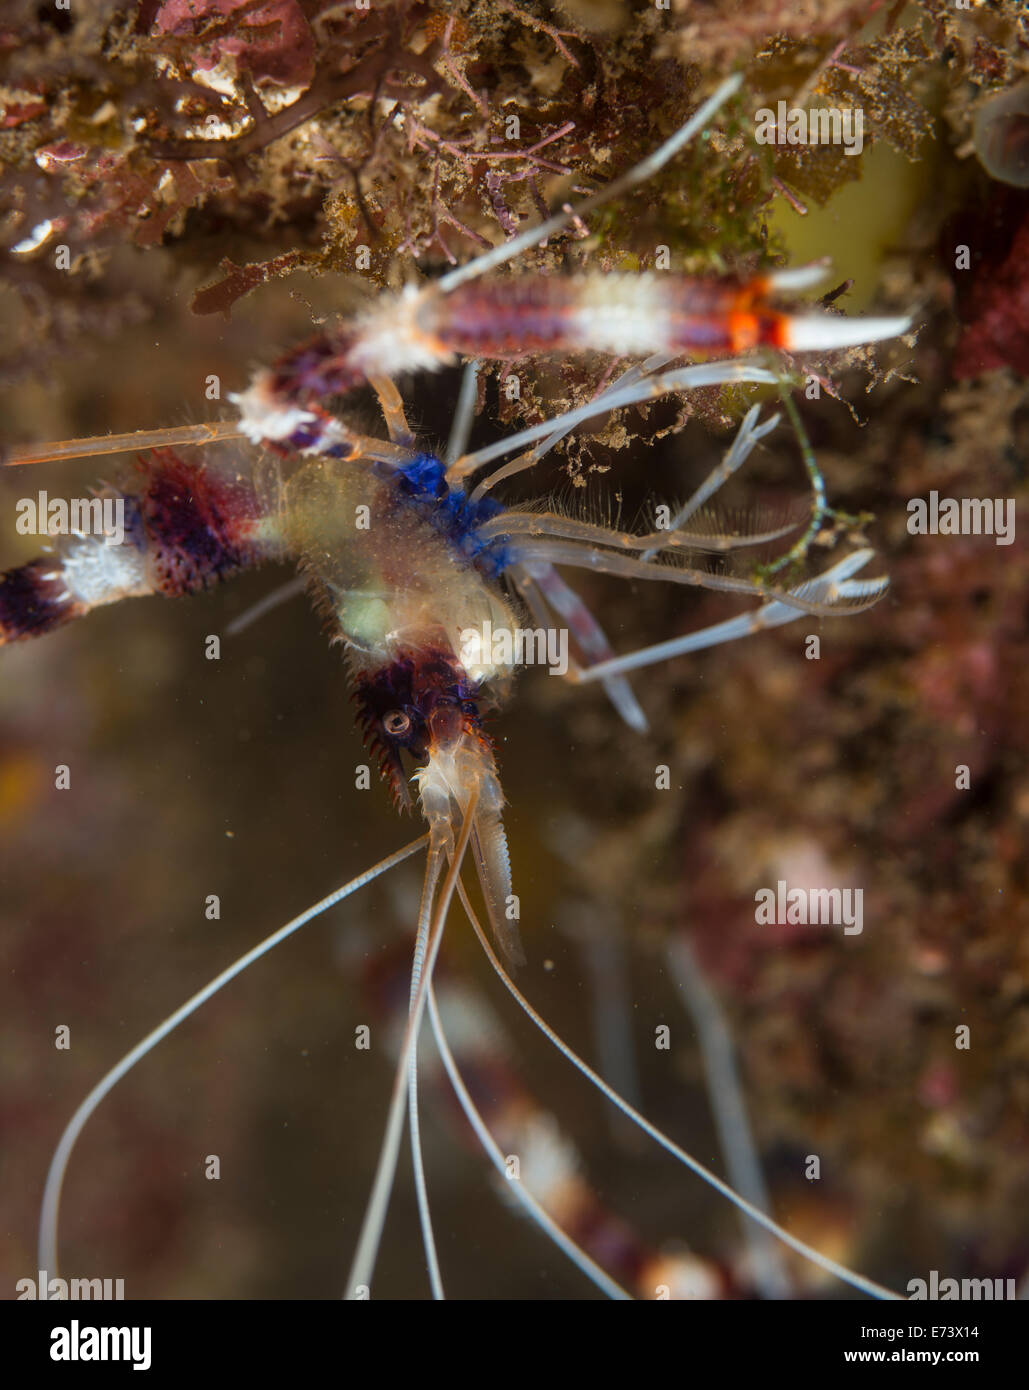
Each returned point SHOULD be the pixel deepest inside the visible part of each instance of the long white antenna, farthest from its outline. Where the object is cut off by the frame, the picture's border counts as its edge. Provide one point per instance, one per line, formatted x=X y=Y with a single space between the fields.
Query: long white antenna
x=59 y=1162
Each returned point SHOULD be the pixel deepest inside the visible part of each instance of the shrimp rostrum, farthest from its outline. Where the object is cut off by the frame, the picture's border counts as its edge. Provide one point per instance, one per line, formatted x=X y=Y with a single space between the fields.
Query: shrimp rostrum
x=417 y=566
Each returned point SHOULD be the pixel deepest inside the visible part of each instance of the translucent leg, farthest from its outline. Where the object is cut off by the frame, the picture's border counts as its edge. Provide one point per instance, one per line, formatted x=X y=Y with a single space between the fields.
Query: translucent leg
x=174 y=436
x=860 y=595
x=99 y=445
x=392 y=406
x=832 y=590
x=520 y=525
x=291 y=589
x=461 y=427
x=748 y=434
x=683 y=379
x=534 y=581
x=562 y=425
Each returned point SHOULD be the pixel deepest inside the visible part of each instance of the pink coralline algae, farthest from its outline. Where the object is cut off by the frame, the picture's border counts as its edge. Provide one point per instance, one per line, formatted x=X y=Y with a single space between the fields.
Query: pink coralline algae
x=272 y=40
x=995 y=309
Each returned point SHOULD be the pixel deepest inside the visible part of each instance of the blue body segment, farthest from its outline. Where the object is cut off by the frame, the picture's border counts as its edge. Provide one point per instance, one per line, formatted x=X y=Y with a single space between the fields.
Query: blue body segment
x=449 y=510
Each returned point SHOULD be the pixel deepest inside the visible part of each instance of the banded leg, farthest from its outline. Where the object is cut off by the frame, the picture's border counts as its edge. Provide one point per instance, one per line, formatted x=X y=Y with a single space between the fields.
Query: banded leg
x=184 y=527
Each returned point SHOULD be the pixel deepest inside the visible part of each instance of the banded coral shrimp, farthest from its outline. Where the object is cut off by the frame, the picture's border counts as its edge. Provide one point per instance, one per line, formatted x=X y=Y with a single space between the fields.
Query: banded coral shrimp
x=428 y=706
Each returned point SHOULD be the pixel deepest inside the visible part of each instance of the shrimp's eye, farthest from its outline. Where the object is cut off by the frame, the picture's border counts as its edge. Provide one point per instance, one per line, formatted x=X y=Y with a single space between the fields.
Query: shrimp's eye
x=396 y=723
